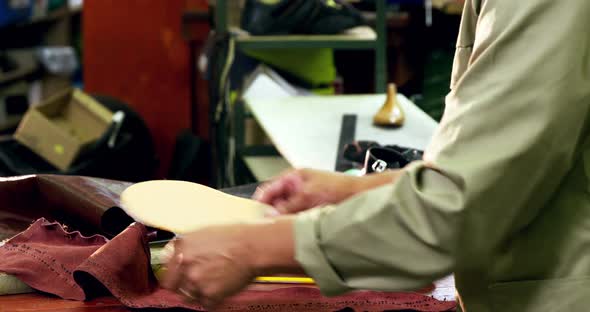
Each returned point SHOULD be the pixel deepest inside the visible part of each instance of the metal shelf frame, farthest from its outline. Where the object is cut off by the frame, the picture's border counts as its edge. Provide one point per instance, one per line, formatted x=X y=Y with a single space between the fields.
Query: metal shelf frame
x=341 y=42
x=377 y=43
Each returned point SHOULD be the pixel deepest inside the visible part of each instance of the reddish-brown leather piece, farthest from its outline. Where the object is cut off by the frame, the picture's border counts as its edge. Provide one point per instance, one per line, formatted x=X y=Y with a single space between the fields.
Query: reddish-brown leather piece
x=71 y=266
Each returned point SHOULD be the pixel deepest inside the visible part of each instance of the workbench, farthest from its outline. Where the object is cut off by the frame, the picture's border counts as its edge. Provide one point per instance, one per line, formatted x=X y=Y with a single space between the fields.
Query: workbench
x=306 y=129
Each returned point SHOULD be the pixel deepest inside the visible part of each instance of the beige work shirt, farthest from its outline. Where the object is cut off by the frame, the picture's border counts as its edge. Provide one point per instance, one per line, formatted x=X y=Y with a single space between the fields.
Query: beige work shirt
x=502 y=198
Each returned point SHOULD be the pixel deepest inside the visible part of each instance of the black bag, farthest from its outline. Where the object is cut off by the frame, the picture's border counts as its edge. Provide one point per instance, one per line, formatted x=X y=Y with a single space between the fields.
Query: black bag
x=377 y=158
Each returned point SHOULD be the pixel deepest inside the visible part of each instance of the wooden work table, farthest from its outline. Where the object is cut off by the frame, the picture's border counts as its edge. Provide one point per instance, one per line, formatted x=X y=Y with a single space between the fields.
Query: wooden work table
x=44 y=303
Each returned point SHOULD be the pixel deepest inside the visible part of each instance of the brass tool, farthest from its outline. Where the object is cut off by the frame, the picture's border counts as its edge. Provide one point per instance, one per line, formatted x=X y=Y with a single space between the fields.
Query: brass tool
x=391 y=114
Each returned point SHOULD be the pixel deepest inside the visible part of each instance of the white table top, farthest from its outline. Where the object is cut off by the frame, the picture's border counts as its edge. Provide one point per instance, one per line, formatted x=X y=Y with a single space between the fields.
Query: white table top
x=306 y=129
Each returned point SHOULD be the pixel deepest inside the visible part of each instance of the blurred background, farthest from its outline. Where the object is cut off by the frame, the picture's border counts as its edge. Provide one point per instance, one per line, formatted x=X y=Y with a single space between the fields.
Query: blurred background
x=172 y=75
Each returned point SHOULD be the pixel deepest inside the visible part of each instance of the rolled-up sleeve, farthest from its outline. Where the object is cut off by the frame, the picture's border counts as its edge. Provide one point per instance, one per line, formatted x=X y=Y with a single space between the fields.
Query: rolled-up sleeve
x=391 y=238
x=510 y=133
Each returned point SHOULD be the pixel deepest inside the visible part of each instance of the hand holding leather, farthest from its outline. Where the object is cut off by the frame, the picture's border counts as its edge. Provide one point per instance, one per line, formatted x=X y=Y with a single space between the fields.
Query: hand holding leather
x=214 y=263
x=209 y=265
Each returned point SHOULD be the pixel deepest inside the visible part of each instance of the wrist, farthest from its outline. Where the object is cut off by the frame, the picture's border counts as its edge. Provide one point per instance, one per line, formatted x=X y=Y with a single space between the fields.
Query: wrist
x=271 y=247
x=372 y=181
x=356 y=185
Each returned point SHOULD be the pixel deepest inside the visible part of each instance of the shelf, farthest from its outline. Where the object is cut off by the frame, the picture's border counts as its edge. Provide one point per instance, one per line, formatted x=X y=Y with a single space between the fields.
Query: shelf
x=258 y=159
x=11 y=122
x=358 y=38
x=48 y=18
x=26 y=64
x=264 y=168
x=6 y=79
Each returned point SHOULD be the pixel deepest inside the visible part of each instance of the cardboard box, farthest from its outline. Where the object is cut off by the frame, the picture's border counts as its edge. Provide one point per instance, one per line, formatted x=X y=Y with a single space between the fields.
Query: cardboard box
x=62 y=127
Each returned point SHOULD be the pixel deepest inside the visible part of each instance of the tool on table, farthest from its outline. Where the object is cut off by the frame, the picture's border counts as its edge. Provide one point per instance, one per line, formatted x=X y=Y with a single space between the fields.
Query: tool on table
x=391 y=114
x=160 y=251
x=347 y=134
x=284 y=280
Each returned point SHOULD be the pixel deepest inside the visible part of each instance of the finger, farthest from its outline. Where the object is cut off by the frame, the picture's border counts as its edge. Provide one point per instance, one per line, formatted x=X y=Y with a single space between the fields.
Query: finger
x=191 y=292
x=279 y=206
x=188 y=295
x=271 y=212
x=209 y=304
x=211 y=298
x=168 y=251
x=272 y=191
x=174 y=269
x=292 y=186
x=269 y=187
x=294 y=204
x=265 y=193
x=294 y=183
x=189 y=289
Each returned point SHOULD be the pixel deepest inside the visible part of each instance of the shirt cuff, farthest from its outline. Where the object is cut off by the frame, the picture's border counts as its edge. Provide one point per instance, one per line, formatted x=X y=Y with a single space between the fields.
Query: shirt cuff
x=310 y=255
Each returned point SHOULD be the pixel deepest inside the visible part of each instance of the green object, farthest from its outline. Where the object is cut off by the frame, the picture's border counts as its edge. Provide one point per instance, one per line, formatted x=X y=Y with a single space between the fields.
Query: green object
x=354 y=172
x=315 y=66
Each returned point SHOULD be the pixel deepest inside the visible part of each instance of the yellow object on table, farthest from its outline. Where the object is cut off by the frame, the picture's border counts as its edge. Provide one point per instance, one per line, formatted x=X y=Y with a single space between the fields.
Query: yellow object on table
x=284 y=280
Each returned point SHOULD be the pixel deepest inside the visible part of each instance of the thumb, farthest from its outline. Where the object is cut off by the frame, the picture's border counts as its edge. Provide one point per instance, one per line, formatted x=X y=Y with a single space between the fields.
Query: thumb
x=281 y=188
x=294 y=204
x=173 y=268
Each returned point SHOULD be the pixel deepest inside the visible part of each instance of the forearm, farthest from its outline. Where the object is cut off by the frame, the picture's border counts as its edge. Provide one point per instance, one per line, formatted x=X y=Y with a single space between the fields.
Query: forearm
x=271 y=247
x=375 y=180
x=398 y=236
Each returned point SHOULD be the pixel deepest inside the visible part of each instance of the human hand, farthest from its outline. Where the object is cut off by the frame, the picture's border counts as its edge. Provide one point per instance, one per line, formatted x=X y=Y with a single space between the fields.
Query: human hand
x=302 y=189
x=210 y=265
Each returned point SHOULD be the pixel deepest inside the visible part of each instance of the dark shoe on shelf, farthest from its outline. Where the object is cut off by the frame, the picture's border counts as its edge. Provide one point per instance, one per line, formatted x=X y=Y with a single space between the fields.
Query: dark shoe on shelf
x=280 y=17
